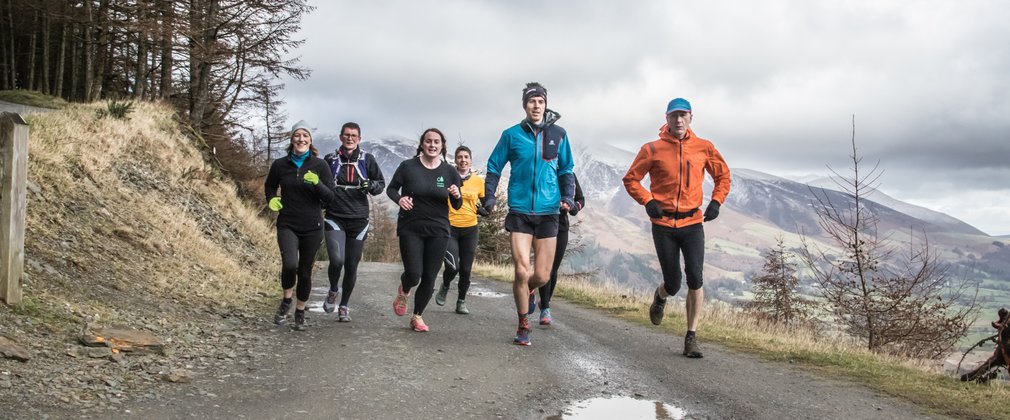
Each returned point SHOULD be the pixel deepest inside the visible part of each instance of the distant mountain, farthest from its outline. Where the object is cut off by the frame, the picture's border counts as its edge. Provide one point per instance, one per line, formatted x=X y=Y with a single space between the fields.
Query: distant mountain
x=921 y=213
x=613 y=234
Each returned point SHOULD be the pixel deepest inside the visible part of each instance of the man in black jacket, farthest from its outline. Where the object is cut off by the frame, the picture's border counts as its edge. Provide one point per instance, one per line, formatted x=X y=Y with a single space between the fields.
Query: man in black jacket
x=355 y=175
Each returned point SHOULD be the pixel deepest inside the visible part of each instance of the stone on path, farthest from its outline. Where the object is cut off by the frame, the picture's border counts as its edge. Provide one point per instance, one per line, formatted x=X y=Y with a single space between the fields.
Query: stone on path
x=12 y=350
x=124 y=339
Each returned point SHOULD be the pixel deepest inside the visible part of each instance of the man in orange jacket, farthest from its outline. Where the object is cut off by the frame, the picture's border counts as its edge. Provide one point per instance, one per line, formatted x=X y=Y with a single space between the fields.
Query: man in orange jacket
x=676 y=164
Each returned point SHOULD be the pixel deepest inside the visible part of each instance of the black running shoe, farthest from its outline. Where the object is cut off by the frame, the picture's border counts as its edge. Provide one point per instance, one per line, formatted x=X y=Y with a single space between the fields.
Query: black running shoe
x=282 y=313
x=299 y=320
x=656 y=310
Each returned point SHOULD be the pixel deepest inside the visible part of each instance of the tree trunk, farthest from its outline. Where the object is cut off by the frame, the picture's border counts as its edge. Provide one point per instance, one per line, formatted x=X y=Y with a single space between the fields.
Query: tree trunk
x=12 y=68
x=88 y=52
x=140 y=83
x=44 y=86
x=32 y=43
x=201 y=59
x=102 y=51
x=60 y=61
x=167 y=30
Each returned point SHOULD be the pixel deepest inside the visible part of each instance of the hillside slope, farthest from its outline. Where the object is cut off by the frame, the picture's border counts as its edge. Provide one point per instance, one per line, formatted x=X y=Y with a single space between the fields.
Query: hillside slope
x=128 y=225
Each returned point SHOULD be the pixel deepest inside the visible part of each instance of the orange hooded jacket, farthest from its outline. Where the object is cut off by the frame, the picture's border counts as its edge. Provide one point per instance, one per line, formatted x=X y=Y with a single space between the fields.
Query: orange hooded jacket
x=676 y=170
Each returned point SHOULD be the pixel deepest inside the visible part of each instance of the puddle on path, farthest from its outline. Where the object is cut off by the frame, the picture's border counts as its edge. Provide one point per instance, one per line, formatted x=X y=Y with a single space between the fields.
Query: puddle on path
x=482 y=292
x=619 y=407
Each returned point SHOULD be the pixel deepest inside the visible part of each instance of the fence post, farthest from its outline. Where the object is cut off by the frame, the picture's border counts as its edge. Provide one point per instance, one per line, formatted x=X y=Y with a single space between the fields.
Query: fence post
x=13 y=175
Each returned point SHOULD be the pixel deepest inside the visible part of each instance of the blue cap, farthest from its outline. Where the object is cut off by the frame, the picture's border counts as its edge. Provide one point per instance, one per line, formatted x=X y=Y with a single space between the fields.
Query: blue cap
x=679 y=104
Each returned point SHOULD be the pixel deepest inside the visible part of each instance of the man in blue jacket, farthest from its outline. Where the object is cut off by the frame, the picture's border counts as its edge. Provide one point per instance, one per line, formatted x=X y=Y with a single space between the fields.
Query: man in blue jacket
x=540 y=185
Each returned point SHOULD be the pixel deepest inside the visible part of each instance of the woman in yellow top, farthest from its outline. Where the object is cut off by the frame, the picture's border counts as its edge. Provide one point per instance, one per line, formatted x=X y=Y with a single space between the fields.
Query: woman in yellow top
x=463 y=237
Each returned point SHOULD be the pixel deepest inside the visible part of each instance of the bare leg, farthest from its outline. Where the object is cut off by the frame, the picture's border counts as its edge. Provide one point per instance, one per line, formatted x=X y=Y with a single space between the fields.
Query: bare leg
x=694 y=303
x=521 y=243
x=544 y=249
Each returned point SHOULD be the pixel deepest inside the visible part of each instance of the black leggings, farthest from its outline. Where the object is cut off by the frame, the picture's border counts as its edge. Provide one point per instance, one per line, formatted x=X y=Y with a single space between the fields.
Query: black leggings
x=422 y=257
x=547 y=290
x=670 y=243
x=298 y=251
x=345 y=241
x=459 y=254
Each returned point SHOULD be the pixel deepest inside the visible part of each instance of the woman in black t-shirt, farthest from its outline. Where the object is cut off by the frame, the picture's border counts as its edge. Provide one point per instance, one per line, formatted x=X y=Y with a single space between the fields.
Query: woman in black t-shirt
x=423 y=187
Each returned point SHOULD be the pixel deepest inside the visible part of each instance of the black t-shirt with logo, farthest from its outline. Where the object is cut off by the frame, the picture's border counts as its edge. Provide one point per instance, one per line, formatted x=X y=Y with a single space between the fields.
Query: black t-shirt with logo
x=429 y=188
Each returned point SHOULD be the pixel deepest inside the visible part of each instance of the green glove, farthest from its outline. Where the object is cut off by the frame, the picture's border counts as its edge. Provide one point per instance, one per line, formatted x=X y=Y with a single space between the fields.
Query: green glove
x=365 y=185
x=275 y=204
x=311 y=178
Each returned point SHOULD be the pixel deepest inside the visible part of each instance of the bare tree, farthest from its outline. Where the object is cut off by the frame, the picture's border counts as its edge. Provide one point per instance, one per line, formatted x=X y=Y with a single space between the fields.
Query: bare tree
x=900 y=304
x=775 y=295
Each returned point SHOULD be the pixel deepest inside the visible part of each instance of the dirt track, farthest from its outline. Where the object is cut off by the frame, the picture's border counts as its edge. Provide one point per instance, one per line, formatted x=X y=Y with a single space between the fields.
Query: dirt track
x=466 y=367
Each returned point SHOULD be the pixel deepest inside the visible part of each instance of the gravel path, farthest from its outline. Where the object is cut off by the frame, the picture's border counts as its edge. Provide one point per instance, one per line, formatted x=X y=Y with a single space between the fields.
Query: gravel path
x=466 y=367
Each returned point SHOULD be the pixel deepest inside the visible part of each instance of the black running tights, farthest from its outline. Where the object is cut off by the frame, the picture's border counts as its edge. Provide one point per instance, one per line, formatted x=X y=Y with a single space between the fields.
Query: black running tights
x=459 y=256
x=344 y=245
x=298 y=251
x=670 y=243
x=422 y=257
x=547 y=290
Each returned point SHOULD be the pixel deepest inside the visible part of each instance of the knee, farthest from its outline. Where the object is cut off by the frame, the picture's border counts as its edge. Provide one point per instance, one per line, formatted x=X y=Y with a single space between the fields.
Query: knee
x=289 y=265
x=410 y=279
x=671 y=289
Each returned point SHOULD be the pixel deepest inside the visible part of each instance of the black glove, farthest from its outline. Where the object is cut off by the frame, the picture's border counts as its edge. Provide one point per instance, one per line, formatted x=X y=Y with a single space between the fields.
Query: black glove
x=653 y=209
x=569 y=202
x=365 y=185
x=482 y=212
x=489 y=204
x=575 y=209
x=712 y=211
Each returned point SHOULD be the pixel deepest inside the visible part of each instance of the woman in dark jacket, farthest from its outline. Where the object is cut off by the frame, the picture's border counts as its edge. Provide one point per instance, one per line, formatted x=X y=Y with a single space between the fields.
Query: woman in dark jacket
x=304 y=180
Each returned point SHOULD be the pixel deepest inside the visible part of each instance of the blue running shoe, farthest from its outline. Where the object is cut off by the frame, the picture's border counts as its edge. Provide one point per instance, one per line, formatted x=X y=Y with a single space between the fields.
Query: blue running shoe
x=545 y=316
x=533 y=302
x=523 y=333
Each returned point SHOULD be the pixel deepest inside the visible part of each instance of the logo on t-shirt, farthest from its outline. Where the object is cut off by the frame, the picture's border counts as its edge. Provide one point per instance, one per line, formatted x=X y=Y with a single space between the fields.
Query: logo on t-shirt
x=440 y=182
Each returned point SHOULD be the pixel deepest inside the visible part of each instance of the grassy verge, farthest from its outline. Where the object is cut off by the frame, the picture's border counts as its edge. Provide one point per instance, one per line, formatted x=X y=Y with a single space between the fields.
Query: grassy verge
x=917 y=381
x=32 y=98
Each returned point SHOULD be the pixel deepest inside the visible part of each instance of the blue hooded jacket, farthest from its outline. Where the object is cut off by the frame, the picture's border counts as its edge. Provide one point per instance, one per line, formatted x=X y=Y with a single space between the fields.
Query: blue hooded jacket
x=542 y=167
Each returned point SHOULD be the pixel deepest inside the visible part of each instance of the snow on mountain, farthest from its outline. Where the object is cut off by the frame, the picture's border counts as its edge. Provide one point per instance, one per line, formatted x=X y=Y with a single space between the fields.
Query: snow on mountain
x=913 y=210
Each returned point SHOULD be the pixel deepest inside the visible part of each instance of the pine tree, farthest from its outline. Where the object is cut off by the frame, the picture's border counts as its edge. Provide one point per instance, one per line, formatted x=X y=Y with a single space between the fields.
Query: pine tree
x=775 y=294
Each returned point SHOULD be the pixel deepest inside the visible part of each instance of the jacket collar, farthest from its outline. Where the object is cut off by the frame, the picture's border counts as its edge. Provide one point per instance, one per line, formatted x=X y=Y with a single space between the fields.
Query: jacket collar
x=550 y=117
x=664 y=134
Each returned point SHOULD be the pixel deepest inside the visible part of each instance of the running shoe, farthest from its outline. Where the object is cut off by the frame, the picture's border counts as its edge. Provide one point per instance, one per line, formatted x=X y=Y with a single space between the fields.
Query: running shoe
x=400 y=302
x=440 y=296
x=461 y=307
x=282 y=312
x=343 y=314
x=691 y=347
x=545 y=316
x=331 y=301
x=417 y=323
x=533 y=302
x=523 y=333
x=656 y=309
x=299 y=320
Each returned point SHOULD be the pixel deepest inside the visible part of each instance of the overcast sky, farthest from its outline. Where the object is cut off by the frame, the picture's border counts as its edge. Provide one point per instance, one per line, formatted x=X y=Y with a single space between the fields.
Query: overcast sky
x=773 y=84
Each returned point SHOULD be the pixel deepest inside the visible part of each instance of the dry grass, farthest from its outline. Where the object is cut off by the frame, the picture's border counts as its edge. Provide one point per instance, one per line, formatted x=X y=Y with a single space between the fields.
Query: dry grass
x=123 y=215
x=32 y=98
x=920 y=382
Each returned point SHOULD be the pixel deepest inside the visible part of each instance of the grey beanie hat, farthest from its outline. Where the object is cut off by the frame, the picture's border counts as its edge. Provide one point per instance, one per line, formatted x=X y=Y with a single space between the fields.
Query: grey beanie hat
x=302 y=124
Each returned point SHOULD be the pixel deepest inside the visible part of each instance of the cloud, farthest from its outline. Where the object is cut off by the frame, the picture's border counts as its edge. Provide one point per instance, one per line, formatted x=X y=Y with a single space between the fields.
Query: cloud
x=774 y=84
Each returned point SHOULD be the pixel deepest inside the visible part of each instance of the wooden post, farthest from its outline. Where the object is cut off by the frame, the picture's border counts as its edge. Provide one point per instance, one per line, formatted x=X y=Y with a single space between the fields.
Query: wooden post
x=13 y=175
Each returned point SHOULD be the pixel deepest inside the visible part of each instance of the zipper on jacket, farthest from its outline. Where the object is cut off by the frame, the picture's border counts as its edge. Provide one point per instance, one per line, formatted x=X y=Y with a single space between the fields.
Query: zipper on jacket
x=687 y=184
x=533 y=185
x=680 y=158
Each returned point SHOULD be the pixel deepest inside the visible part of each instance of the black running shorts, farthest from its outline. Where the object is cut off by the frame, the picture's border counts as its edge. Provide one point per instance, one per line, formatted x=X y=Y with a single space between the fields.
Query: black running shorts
x=540 y=226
